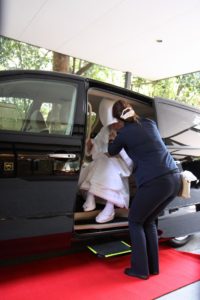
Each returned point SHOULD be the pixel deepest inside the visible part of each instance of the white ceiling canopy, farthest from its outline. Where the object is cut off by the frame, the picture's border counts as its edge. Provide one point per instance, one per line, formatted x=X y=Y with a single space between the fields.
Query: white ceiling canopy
x=152 y=39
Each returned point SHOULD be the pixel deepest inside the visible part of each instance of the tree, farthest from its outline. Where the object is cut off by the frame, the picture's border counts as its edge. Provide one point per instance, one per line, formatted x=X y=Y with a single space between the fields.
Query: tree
x=61 y=62
x=184 y=88
x=18 y=55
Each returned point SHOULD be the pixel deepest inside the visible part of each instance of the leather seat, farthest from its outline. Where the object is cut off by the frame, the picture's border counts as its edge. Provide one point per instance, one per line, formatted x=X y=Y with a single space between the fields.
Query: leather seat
x=37 y=122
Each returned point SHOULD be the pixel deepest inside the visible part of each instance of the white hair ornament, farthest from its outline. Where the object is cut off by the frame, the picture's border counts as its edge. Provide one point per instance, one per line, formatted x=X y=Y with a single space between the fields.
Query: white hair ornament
x=128 y=112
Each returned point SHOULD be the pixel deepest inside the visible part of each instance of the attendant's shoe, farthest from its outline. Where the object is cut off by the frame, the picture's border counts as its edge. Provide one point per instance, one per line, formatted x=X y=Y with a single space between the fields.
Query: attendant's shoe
x=130 y=272
x=90 y=203
x=154 y=273
x=102 y=217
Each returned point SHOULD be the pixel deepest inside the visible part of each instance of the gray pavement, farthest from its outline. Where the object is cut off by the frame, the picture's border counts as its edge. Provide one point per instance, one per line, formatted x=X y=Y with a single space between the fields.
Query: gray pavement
x=191 y=291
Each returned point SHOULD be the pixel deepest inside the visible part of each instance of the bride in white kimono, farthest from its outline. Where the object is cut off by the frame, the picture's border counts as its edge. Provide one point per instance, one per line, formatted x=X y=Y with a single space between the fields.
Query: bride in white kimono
x=105 y=177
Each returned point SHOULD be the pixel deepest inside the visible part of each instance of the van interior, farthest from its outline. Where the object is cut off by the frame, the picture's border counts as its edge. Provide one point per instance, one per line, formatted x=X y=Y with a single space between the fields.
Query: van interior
x=84 y=222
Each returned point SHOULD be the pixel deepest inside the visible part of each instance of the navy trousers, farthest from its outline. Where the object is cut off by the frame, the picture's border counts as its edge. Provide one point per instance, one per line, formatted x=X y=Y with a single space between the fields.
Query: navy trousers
x=150 y=199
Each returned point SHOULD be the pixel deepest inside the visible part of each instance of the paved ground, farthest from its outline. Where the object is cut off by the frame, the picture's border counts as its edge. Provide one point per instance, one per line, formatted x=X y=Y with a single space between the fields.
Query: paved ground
x=192 y=291
x=193 y=245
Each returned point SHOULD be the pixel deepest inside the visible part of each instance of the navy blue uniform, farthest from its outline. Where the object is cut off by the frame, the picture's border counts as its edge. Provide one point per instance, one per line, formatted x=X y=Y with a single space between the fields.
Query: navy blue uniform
x=158 y=183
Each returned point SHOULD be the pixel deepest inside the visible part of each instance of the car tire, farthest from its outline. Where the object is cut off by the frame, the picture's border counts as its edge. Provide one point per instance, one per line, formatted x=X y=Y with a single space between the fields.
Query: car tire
x=177 y=242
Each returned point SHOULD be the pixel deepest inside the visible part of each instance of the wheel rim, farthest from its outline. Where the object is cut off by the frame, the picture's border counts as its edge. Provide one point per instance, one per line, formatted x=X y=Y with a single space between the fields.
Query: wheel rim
x=181 y=238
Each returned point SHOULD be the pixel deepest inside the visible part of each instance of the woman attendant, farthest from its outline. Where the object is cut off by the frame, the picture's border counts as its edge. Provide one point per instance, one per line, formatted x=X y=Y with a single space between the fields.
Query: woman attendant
x=158 y=183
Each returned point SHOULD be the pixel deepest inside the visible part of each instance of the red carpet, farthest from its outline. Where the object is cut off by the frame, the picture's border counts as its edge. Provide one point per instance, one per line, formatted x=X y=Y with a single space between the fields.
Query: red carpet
x=84 y=276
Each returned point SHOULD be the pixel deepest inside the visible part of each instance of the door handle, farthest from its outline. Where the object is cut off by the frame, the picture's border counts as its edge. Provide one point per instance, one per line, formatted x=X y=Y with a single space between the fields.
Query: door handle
x=63 y=155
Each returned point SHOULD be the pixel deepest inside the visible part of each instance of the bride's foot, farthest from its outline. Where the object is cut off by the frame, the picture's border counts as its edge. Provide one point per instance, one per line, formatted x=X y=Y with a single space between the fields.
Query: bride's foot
x=107 y=214
x=90 y=203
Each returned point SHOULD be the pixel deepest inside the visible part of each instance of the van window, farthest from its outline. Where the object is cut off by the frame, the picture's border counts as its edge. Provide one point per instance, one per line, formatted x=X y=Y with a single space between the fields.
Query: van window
x=184 y=123
x=10 y=116
x=38 y=106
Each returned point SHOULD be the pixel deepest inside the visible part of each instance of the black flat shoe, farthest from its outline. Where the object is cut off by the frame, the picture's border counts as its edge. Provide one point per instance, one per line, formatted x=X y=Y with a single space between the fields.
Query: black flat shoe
x=129 y=272
x=154 y=273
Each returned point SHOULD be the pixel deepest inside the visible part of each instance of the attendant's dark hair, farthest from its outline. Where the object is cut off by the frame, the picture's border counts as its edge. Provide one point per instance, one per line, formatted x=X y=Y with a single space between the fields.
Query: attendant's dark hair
x=119 y=107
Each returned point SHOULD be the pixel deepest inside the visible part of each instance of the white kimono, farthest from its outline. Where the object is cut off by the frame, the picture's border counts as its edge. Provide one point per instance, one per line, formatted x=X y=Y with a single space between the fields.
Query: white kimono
x=107 y=177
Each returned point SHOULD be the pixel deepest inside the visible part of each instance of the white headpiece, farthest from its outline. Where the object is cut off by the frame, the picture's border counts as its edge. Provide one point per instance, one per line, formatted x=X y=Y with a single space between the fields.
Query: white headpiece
x=127 y=113
x=105 y=112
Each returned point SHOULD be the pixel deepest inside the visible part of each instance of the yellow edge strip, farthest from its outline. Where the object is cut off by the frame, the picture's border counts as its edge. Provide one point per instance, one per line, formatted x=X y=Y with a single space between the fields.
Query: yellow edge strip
x=118 y=253
x=95 y=252
x=112 y=254
x=125 y=244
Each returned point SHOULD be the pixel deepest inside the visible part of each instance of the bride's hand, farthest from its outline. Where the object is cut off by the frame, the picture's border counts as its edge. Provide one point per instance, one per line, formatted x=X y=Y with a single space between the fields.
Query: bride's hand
x=89 y=145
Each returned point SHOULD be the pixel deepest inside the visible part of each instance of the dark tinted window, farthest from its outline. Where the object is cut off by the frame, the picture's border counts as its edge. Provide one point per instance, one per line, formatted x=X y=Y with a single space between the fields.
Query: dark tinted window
x=38 y=106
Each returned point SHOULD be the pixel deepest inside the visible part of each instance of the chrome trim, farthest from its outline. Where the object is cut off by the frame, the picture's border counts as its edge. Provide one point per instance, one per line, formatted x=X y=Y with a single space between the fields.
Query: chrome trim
x=63 y=155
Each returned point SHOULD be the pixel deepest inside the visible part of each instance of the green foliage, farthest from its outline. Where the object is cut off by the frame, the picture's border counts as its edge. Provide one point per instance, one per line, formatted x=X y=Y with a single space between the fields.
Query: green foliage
x=98 y=72
x=17 y=55
x=184 y=88
x=105 y=74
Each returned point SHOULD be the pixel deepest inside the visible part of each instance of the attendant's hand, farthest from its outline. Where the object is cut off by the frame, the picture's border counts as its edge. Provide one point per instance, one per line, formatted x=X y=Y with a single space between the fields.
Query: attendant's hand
x=117 y=156
x=107 y=154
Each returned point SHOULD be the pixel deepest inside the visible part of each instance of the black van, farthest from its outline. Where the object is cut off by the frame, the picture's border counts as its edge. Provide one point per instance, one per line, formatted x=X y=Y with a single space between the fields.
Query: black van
x=45 y=118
